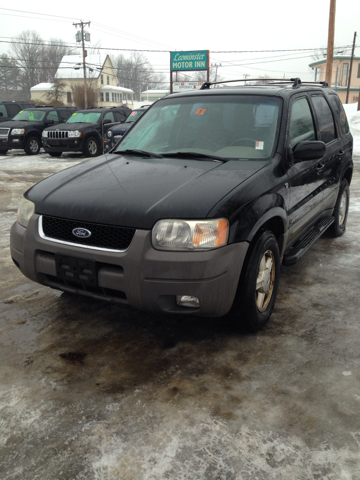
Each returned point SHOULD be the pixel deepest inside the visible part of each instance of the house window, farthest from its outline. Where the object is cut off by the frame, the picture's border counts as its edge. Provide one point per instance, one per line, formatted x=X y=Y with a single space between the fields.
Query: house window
x=101 y=97
x=68 y=95
x=108 y=80
x=345 y=74
x=358 y=75
x=107 y=97
x=355 y=99
x=102 y=79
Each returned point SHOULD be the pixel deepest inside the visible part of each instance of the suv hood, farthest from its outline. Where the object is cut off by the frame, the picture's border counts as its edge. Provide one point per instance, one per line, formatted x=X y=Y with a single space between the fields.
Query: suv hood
x=19 y=124
x=70 y=126
x=136 y=192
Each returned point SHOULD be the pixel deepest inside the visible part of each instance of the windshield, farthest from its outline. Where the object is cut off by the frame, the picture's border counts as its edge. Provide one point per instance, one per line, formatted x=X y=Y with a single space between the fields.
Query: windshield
x=30 y=115
x=227 y=126
x=134 y=115
x=84 y=117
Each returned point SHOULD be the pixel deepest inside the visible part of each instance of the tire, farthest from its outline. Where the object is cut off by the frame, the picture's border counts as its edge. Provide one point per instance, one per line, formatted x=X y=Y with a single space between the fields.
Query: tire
x=91 y=148
x=254 y=303
x=55 y=154
x=32 y=146
x=341 y=209
x=3 y=151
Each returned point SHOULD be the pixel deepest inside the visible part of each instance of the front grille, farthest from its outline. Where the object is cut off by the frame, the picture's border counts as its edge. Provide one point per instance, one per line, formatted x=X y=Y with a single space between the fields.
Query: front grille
x=102 y=236
x=58 y=134
x=4 y=132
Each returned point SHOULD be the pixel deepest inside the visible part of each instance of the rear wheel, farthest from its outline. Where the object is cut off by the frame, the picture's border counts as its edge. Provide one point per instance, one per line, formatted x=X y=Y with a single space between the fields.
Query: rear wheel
x=258 y=285
x=55 y=154
x=341 y=210
x=91 y=148
x=32 y=146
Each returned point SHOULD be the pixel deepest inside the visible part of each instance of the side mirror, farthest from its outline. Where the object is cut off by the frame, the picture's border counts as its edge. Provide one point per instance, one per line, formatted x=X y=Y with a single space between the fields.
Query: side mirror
x=309 y=150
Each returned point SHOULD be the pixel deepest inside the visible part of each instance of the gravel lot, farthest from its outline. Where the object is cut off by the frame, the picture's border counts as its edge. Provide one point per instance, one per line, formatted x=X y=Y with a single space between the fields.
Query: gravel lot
x=90 y=390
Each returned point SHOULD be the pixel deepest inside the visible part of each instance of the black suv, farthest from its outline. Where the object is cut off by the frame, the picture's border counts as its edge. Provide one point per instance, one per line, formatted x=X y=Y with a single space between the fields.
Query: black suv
x=199 y=203
x=114 y=134
x=25 y=129
x=83 y=131
x=8 y=109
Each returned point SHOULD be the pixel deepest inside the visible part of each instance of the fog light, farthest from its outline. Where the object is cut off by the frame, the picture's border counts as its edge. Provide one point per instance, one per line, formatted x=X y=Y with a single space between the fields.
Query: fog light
x=187 y=301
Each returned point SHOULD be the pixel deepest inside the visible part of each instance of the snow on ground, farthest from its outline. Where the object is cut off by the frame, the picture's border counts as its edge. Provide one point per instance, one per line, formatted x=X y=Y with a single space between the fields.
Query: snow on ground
x=353 y=116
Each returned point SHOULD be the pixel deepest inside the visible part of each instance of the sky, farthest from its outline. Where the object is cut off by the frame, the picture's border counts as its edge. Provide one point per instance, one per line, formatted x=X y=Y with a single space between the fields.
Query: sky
x=245 y=39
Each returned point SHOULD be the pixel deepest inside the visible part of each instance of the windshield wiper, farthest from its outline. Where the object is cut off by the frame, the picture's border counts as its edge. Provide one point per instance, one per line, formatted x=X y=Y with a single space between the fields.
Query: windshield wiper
x=195 y=156
x=138 y=153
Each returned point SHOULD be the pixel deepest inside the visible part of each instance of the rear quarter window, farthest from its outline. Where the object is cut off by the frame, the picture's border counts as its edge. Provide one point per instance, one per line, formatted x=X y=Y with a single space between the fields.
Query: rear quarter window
x=340 y=113
x=325 y=118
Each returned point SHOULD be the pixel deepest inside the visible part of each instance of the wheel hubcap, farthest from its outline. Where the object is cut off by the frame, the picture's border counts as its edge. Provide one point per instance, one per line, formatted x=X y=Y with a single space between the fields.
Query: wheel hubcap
x=265 y=280
x=342 y=209
x=92 y=147
x=34 y=146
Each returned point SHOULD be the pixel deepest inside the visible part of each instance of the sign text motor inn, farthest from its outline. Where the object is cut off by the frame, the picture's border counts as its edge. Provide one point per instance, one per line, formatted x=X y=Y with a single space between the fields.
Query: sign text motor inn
x=187 y=61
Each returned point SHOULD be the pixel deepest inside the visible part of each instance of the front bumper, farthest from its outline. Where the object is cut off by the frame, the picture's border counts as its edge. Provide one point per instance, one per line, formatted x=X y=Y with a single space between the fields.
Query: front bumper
x=63 y=145
x=16 y=142
x=142 y=277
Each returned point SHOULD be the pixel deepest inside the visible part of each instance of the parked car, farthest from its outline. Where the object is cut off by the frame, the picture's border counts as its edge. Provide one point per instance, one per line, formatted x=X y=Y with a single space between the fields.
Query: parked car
x=83 y=131
x=24 y=130
x=197 y=206
x=113 y=134
x=8 y=109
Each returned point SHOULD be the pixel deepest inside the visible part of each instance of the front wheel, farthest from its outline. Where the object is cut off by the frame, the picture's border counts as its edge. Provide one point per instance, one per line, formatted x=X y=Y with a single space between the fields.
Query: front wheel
x=341 y=210
x=32 y=146
x=91 y=148
x=258 y=285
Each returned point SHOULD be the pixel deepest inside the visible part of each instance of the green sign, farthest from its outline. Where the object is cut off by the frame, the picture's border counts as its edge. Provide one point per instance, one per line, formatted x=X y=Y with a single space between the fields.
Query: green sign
x=197 y=60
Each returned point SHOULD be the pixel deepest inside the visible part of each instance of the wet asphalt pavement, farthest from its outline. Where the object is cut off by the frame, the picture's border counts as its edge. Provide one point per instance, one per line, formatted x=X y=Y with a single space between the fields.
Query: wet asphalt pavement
x=90 y=390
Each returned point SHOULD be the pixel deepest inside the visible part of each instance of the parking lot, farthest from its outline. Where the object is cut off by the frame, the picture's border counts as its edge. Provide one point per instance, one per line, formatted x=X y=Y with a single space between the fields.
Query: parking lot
x=90 y=390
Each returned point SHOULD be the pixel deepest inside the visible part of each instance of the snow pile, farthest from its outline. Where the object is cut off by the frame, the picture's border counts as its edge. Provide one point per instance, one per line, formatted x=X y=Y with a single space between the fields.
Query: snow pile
x=353 y=116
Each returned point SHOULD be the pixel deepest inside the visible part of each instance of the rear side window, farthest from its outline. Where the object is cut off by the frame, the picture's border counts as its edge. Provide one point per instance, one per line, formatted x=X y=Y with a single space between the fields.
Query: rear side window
x=53 y=116
x=3 y=110
x=301 y=126
x=13 y=110
x=340 y=113
x=325 y=118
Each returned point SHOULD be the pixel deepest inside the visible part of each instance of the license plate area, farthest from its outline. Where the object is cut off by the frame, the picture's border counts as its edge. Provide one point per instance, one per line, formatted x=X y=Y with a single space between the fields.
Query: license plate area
x=54 y=143
x=76 y=270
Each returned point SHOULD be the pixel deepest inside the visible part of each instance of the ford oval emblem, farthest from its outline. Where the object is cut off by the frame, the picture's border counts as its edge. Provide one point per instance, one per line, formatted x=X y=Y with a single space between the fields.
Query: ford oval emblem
x=81 y=232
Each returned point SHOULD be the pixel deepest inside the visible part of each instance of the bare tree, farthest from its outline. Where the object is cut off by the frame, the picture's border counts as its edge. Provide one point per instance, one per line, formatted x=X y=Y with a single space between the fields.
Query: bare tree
x=92 y=90
x=28 y=51
x=57 y=92
x=9 y=78
x=136 y=73
x=53 y=53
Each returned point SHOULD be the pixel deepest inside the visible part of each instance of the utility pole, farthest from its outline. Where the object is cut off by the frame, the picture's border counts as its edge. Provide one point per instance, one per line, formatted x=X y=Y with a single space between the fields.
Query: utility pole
x=216 y=66
x=351 y=64
x=330 y=48
x=84 y=54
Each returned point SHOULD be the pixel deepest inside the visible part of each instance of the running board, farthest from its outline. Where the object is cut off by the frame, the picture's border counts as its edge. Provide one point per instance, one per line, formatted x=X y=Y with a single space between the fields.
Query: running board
x=305 y=243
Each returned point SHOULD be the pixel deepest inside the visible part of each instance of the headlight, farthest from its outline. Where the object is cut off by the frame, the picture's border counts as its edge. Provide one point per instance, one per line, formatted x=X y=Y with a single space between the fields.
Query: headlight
x=44 y=133
x=109 y=133
x=75 y=133
x=18 y=131
x=179 y=235
x=25 y=210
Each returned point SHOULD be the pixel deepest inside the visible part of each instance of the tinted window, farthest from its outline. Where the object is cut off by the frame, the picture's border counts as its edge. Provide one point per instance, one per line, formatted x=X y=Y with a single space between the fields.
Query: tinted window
x=30 y=115
x=340 y=112
x=301 y=126
x=13 y=110
x=3 y=110
x=109 y=116
x=53 y=116
x=325 y=118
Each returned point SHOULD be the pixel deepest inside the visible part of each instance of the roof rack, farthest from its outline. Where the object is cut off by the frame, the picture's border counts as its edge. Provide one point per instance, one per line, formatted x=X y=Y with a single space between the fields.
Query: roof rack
x=296 y=82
